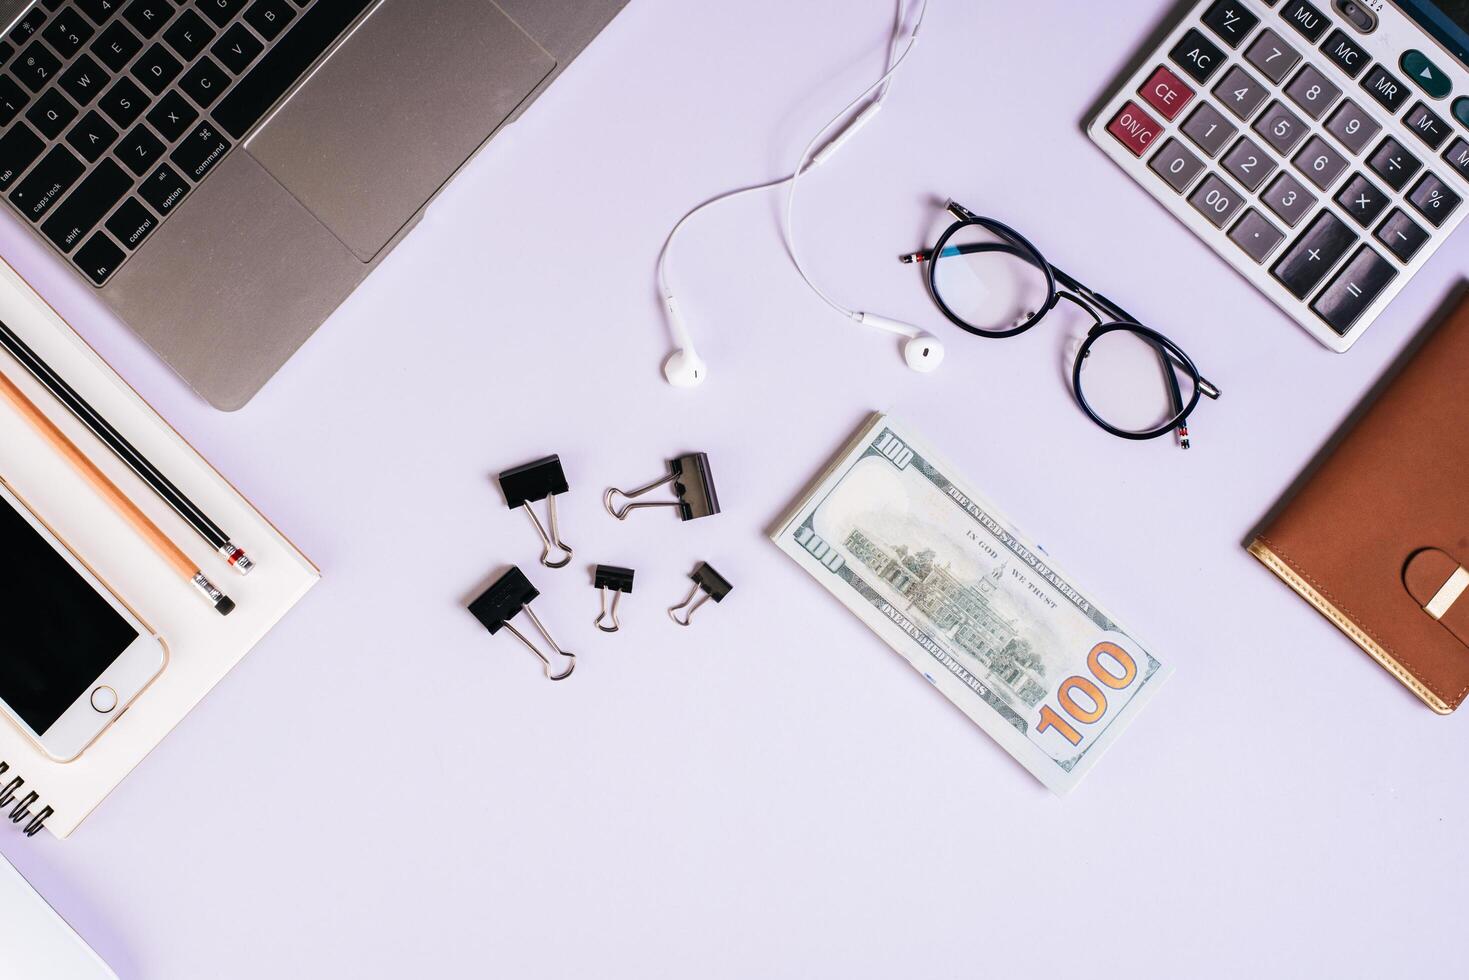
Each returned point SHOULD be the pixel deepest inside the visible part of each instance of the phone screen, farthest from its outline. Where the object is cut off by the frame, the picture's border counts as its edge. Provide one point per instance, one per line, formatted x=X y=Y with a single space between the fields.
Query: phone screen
x=57 y=634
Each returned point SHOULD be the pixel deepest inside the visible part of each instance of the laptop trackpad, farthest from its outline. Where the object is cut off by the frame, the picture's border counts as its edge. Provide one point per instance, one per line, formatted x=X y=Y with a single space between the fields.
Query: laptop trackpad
x=395 y=111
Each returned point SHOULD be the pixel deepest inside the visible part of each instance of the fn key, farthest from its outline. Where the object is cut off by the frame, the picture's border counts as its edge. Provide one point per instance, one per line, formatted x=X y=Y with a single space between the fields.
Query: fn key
x=1353 y=289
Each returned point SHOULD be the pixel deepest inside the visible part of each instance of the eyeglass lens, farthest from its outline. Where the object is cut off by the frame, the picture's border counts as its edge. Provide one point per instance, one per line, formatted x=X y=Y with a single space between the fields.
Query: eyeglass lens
x=989 y=282
x=1127 y=380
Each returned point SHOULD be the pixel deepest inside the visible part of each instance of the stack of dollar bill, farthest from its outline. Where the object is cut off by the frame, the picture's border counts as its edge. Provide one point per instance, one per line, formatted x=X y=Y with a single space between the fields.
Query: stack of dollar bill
x=986 y=616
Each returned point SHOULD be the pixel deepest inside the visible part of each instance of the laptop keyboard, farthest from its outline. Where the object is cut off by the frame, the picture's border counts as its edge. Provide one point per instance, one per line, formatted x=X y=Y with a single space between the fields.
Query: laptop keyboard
x=1318 y=170
x=112 y=111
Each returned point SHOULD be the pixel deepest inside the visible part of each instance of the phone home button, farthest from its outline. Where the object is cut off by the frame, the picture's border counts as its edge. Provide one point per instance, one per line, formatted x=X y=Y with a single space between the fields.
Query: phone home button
x=104 y=699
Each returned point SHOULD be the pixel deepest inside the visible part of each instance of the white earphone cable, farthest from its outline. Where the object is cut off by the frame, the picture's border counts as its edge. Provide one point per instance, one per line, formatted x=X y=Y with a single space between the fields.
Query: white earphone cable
x=806 y=162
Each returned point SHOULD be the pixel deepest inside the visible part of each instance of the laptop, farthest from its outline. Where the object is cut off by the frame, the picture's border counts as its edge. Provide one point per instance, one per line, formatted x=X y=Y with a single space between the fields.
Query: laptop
x=225 y=172
x=1320 y=147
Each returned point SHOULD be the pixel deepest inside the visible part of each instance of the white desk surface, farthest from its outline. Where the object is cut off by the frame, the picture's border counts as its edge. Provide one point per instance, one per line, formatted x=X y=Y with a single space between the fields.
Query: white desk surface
x=382 y=789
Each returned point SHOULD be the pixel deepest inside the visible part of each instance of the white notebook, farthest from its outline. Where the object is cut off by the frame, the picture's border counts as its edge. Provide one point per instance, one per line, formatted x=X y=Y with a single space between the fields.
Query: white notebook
x=203 y=646
x=38 y=944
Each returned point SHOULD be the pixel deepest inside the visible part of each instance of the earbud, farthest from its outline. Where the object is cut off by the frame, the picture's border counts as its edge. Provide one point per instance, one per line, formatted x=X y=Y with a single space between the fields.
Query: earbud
x=685 y=368
x=923 y=352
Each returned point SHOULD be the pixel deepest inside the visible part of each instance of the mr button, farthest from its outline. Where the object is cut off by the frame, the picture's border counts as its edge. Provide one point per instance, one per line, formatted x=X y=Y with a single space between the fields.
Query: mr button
x=1134 y=129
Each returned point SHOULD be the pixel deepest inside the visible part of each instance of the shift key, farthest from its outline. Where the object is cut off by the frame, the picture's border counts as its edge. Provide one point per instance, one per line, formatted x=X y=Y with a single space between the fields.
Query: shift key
x=200 y=151
x=93 y=199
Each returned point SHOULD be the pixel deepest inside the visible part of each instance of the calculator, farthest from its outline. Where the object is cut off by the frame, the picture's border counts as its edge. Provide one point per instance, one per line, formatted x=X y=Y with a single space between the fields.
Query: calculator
x=1322 y=149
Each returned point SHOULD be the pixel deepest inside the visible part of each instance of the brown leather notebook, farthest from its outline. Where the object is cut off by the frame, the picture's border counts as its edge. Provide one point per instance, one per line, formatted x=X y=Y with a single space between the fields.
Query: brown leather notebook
x=1377 y=539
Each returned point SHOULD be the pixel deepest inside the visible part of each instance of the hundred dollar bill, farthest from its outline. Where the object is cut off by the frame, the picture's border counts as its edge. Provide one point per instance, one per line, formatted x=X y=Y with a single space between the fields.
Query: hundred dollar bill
x=986 y=616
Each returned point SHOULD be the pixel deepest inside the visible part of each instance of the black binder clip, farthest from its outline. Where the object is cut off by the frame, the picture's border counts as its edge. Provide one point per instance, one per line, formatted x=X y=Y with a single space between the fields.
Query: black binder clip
x=706 y=580
x=524 y=485
x=619 y=580
x=507 y=598
x=692 y=482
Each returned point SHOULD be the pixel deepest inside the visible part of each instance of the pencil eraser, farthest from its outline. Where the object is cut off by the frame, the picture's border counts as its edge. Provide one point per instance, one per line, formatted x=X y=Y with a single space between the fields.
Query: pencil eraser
x=225 y=606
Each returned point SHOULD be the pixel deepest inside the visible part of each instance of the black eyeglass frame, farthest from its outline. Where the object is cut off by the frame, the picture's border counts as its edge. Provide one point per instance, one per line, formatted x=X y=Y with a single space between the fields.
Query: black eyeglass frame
x=1108 y=318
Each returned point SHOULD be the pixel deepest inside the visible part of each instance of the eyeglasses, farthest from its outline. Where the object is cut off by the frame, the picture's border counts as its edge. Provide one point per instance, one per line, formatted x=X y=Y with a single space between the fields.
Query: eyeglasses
x=1129 y=379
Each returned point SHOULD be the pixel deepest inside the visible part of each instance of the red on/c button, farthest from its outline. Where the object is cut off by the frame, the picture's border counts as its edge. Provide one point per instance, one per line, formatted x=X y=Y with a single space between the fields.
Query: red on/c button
x=1134 y=129
x=1166 y=92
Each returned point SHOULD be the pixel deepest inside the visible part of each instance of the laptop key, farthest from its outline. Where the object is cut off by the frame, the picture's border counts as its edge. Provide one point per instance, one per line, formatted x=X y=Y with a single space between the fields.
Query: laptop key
x=46 y=182
x=205 y=82
x=220 y=11
x=1311 y=257
x=139 y=149
x=163 y=189
x=116 y=46
x=36 y=66
x=99 y=258
x=269 y=17
x=1353 y=290
x=12 y=99
x=99 y=10
x=237 y=48
x=67 y=32
x=18 y=149
x=84 y=80
x=51 y=113
x=148 y=16
x=86 y=206
x=189 y=34
x=172 y=116
x=156 y=68
x=1402 y=235
x=131 y=223
x=27 y=26
x=92 y=136
x=200 y=151
x=296 y=51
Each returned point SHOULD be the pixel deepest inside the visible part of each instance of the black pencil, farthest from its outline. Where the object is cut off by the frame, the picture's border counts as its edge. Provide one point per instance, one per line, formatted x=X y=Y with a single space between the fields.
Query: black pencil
x=124 y=450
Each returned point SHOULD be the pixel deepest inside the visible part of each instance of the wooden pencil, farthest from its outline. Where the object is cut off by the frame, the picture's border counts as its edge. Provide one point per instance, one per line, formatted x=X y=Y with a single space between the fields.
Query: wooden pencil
x=109 y=492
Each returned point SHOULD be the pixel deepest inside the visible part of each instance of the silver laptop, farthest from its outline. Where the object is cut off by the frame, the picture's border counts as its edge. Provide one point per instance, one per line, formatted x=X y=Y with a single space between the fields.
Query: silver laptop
x=225 y=172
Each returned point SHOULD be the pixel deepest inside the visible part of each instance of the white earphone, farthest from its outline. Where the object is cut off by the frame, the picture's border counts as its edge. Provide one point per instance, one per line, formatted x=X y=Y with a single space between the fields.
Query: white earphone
x=922 y=352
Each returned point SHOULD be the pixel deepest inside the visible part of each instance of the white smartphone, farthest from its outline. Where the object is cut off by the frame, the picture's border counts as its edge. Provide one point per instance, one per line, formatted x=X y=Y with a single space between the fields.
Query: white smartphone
x=73 y=656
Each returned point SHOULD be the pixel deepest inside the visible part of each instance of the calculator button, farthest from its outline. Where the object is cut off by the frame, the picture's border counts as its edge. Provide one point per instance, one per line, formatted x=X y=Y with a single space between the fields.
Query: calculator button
x=1352 y=127
x=1256 y=235
x=1361 y=201
x=1176 y=165
x=1289 y=199
x=1433 y=200
x=1461 y=110
x=1313 y=92
x=1430 y=128
x=1216 y=201
x=1198 y=56
x=1231 y=21
x=1208 y=129
x=1457 y=156
x=1305 y=18
x=1240 y=93
x=1280 y=127
x=1345 y=53
x=1134 y=129
x=1272 y=56
x=1320 y=247
x=1166 y=92
x=1249 y=164
x=1320 y=163
x=1425 y=74
x=1394 y=164
x=1401 y=235
x=1353 y=289
x=1386 y=89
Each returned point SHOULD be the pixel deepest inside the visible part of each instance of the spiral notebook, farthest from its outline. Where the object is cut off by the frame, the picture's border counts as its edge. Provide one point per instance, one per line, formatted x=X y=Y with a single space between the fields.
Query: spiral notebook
x=35 y=791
